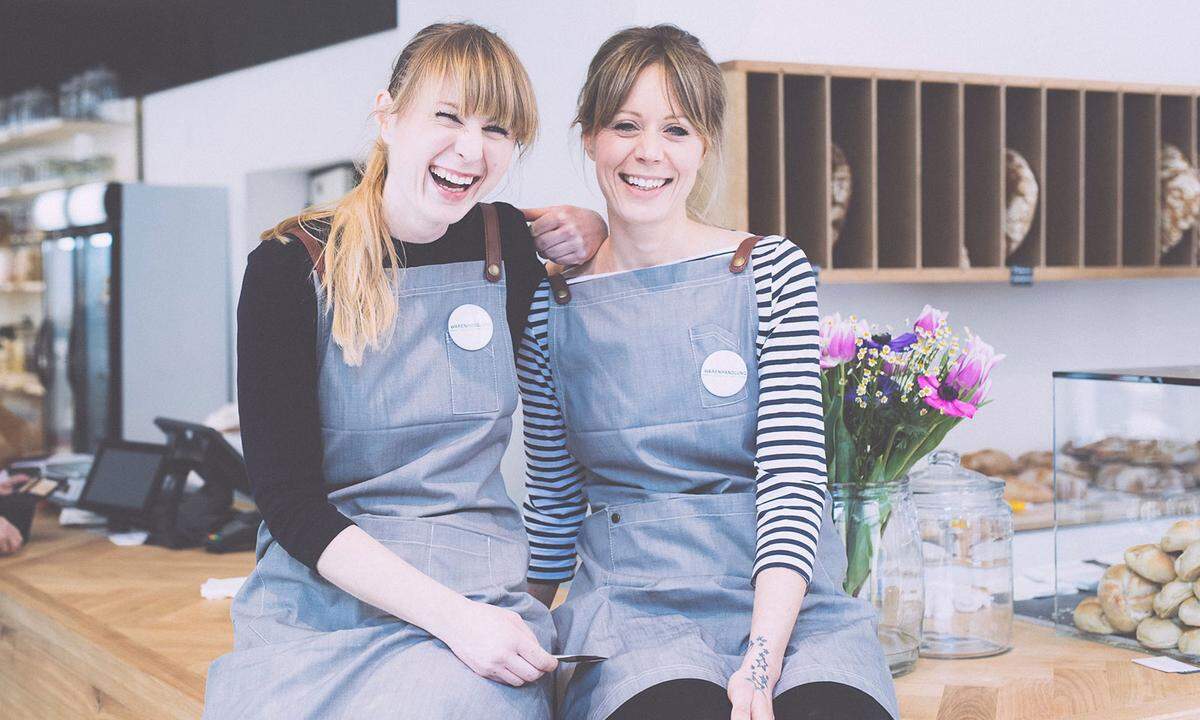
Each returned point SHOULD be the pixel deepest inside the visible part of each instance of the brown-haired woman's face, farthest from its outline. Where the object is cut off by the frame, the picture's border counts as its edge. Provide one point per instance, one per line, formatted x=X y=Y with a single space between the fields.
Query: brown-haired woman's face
x=442 y=160
x=648 y=156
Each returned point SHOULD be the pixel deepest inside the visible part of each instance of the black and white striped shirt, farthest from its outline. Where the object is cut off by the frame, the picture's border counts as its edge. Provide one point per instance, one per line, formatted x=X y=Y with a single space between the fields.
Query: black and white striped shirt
x=790 y=458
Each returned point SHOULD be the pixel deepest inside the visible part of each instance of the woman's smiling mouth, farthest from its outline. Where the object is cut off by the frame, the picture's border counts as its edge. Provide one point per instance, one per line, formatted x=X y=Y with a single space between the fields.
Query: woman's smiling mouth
x=450 y=180
x=642 y=182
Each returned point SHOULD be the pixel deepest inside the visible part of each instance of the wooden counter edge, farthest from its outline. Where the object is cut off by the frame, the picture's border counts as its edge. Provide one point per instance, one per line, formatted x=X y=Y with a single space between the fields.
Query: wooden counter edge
x=137 y=678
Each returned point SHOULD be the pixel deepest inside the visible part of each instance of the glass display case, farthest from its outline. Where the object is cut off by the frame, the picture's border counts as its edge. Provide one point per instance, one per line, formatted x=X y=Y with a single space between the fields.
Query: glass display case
x=1127 y=508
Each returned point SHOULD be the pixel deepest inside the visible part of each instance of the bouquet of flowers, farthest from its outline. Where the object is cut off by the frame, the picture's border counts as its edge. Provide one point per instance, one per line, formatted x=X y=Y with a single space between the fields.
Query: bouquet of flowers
x=889 y=401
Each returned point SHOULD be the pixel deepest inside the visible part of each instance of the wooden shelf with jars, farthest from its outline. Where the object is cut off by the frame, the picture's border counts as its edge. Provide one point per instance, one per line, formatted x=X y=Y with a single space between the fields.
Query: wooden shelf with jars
x=963 y=178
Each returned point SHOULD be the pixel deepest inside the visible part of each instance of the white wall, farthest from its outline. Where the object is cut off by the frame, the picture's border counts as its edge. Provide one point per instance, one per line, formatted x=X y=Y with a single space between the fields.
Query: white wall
x=312 y=109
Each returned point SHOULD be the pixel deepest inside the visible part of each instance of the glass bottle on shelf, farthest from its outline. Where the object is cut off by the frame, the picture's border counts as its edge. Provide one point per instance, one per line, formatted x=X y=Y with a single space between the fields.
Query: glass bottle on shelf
x=966 y=541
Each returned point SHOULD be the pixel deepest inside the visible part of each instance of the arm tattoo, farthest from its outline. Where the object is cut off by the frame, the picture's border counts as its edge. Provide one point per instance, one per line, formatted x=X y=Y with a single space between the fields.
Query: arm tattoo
x=758 y=666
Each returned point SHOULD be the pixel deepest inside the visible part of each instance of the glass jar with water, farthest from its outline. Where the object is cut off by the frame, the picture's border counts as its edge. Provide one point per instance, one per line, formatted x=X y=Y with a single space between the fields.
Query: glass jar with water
x=966 y=533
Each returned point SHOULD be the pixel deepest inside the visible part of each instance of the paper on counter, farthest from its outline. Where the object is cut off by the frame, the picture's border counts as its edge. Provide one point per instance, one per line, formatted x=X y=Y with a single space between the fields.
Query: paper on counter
x=79 y=516
x=218 y=588
x=1167 y=665
x=126 y=539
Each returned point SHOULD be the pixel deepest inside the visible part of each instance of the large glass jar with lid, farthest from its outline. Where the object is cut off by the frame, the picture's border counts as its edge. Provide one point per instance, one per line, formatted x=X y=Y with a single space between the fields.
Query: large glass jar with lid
x=966 y=533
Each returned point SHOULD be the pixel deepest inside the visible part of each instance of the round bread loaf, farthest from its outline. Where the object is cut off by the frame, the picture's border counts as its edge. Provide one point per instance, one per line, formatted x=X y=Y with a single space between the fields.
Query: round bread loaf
x=1172 y=595
x=1151 y=562
x=1180 y=535
x=1189 y=612
x=1089 y=617
x=1158 y=634
x=1189 y=642
x=1187 y=565
x=1126 y=597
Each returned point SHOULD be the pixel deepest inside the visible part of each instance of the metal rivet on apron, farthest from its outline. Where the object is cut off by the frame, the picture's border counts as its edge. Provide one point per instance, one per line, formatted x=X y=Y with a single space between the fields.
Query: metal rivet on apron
x=616 y=517
x=739 y=261
x=561 y=294
x=493 y=270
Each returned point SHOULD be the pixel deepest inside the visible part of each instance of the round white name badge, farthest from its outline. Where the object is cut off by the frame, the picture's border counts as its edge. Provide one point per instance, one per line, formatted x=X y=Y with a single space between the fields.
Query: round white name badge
x=723 y=373
x=470 y=327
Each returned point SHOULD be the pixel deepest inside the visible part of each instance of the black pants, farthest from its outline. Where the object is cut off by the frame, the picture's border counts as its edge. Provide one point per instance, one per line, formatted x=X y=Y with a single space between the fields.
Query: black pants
x=703 y=700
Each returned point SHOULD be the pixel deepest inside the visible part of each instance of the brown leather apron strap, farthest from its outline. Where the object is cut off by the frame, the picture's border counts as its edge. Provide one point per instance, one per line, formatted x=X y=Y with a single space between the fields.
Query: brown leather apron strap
x=491 y=242
x=315 y=248
x=558 y=286
x=741 y=258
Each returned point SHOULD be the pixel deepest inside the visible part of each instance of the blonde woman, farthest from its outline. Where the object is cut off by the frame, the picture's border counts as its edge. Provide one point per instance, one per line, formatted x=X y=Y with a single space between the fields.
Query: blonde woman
x=376 y=387
x=672 y=383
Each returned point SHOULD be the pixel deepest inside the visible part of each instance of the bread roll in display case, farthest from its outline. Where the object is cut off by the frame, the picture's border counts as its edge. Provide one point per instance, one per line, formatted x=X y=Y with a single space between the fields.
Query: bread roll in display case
x=1127 y=551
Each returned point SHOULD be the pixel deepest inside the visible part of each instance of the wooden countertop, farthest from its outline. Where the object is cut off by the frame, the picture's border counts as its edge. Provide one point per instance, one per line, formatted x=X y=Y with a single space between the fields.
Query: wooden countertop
x=92 y=630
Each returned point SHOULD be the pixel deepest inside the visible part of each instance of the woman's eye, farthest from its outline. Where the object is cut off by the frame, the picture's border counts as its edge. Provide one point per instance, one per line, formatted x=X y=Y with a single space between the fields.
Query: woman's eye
x=678 y=131
x=624 y=126
x=449 y=116
x=496 y=129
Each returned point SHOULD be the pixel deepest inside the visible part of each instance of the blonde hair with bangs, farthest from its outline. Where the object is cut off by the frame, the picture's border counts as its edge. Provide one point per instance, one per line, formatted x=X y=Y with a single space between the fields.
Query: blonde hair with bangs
x=693 y=82
x=361 y=264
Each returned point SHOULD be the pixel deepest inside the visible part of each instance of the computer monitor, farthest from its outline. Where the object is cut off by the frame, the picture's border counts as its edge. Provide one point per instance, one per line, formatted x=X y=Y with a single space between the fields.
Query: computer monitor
x=207 y=452
x=125 y=480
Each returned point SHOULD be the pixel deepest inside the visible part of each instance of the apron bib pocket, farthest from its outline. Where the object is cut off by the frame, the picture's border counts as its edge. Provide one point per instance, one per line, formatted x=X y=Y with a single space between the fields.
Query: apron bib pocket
x=473 y=383
x=708 y=339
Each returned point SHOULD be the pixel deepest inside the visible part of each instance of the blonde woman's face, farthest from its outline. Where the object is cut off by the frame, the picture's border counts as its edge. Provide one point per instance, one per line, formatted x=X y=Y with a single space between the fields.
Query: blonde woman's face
x=441 y=160
x=648 y=156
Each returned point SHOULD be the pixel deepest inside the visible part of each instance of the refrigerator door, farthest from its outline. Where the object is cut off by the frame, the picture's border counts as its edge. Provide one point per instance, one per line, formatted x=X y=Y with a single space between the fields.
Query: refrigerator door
x=58 y=267
x=96 y=404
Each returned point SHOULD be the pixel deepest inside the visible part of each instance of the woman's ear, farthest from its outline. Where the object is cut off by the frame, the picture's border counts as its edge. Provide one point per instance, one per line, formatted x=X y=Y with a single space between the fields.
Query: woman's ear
x=589 y=146
x=384 y=117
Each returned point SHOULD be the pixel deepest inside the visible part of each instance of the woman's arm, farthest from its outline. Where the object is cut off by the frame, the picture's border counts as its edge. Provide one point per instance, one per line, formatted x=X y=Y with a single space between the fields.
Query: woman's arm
x=789 y=467
x=556 y=504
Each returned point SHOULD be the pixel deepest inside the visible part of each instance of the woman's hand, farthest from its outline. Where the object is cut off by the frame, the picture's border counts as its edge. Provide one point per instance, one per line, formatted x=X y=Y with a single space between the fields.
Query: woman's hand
x=752 y=687
x=10 y=538
x=566 y=234
x=496 y=644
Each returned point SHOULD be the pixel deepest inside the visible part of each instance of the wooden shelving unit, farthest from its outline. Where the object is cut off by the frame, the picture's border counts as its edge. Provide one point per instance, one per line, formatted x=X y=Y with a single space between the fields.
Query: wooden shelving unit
x=927 y=156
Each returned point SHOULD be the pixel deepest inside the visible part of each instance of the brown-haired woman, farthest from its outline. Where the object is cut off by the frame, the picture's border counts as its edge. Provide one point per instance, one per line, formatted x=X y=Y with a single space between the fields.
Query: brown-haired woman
x=376 y=386
x=673 y=384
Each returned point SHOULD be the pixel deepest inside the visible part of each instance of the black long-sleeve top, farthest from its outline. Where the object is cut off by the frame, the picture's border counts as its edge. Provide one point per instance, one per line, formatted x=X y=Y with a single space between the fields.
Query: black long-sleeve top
x=277 y=369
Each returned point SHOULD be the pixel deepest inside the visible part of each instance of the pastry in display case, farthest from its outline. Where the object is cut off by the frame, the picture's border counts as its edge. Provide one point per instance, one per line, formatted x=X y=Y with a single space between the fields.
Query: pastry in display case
x=1127 y=552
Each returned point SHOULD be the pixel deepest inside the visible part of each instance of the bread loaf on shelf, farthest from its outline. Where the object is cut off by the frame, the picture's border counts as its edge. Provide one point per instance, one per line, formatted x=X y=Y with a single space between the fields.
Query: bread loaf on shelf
x=1151 y=562
x=1158 y=634
x=1089 y=617
x=1180 y=535
x=1170 y=597
x=1126 y=597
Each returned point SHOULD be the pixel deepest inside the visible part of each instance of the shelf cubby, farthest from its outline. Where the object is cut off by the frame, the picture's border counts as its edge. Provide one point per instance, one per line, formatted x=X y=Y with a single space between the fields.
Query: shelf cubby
x=983 y=175
x=898 y=200
x=1177 y=116
x=1139 y=184
x=1062 y=184
x=929 y=175
x=764 y=100
x=852 y=113
x=941 y=175
x=806 y=159
x=1102 y=179
x=1024 y=132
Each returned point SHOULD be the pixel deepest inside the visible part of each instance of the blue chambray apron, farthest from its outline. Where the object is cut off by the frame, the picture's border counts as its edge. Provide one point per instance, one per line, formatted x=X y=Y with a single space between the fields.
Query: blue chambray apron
x=412 y=446
x=663 y=587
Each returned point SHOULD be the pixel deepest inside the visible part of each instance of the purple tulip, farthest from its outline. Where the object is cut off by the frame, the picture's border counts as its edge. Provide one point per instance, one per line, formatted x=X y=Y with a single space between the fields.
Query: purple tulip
x=931 y=319
x=974 y=367
x=838 y=338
